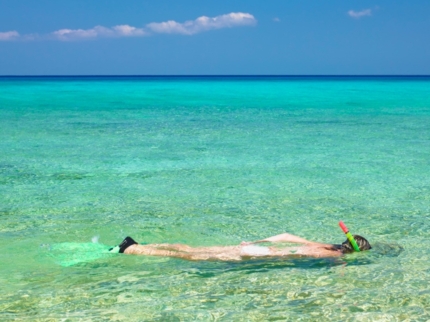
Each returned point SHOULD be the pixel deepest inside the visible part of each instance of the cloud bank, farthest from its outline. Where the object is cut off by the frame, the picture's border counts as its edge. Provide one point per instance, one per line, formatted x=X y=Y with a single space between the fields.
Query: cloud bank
x=203 y=23
x=359 y=14
x=9 y=35
x=190 y=27
x=98 y=31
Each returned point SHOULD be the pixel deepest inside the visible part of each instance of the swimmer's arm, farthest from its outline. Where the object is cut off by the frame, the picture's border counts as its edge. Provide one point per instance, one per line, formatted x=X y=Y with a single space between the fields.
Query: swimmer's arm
x=286 y=238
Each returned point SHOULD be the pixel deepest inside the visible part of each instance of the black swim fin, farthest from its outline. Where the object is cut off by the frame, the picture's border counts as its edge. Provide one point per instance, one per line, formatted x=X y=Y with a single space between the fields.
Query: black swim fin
x=127 y=242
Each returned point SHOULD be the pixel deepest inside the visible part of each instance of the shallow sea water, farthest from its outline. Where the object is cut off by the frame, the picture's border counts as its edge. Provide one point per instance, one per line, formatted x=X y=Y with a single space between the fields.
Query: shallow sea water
x=85 y=162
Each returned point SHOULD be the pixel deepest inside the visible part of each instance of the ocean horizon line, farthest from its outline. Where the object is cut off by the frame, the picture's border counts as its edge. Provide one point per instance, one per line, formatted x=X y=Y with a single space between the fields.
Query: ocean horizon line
x=222 y=75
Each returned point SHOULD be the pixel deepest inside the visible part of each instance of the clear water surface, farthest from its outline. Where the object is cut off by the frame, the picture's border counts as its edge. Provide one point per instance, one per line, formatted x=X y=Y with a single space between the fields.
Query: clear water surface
x=86 y=161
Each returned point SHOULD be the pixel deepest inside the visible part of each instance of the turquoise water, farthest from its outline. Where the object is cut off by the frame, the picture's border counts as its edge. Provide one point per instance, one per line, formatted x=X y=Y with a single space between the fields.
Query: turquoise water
x=85 y=162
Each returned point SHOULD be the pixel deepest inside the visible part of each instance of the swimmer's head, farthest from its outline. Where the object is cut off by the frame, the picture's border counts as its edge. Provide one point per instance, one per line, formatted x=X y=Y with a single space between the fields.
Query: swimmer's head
x=362 y=243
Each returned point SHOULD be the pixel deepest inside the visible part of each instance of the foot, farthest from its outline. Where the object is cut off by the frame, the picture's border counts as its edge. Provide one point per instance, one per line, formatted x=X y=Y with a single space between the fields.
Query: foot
x=128 y=241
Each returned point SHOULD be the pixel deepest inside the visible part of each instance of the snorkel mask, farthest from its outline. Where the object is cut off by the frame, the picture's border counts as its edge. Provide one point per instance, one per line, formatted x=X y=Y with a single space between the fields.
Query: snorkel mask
x=349 y=236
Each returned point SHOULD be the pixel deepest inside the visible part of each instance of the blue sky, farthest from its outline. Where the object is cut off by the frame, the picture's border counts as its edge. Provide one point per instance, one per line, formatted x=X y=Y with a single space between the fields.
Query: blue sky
x=161 y=37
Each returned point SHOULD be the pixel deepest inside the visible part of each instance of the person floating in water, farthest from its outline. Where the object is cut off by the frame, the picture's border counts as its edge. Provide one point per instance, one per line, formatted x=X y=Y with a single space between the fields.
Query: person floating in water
x=245 y=250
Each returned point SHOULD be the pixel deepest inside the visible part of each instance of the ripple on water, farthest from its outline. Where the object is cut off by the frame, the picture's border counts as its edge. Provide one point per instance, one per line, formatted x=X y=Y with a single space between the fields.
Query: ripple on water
x=213 y=163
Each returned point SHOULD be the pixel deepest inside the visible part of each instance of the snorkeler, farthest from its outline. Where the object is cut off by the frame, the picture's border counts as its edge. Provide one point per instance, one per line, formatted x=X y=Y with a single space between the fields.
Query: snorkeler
x=246 y=250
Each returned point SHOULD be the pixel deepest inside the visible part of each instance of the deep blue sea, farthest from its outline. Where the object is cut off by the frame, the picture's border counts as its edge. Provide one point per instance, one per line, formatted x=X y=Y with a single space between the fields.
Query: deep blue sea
x=86 y=161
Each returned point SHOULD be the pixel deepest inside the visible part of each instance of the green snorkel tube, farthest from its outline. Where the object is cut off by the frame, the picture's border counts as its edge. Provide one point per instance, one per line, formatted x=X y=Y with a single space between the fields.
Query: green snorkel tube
x=349 y=236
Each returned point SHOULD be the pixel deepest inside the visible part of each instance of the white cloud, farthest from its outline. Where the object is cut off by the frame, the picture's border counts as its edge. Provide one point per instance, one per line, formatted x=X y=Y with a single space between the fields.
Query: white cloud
x=276 y=19
x=9 y=35
x=128 y=31
x=359 y=14
x=203 y=23
x=190 y=27
x=98 y=31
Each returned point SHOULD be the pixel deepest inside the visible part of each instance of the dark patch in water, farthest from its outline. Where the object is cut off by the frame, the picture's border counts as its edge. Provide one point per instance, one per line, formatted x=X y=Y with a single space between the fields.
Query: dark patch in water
x=5 y=166
x=200 y=149
x=95 y=125
x=211 y=269
x=384 y=249
x=140 y=175
x=69 y=176
x=10 y=173
x=208 y=269
x=7 y=212
x=319 y=122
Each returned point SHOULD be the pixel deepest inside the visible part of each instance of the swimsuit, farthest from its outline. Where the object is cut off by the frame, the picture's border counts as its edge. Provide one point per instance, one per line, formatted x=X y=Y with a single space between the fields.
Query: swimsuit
x=252 y=250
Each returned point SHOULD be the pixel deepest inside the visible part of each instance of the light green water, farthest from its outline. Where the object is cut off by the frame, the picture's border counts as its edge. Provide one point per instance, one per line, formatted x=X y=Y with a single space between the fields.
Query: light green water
x=84 y=163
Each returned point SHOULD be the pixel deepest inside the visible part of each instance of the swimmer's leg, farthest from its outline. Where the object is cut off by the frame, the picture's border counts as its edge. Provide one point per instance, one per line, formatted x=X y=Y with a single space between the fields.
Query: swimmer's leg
x=224 y=253
x=148 y=251
x=175 y=247
x=194 y=250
